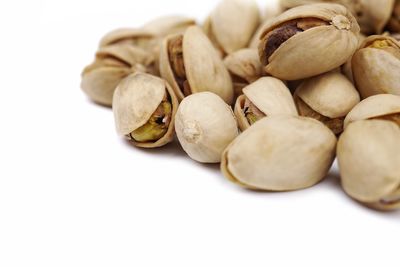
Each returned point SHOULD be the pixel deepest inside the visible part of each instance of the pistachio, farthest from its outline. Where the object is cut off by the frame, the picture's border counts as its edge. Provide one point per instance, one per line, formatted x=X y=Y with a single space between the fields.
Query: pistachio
x=141 y=38
x=229 y=33
x=385 y=106
x=168 y=25
x=328 y=98
x=376 y=66
x=144 y=109
x=396 y=36
x=369 y=163
x=346 y=69
x=280 y=153
x=267 y=96
x=191 y=64
x=245 y=67
x=394 y=22
x=308 y=40
x=205 y=125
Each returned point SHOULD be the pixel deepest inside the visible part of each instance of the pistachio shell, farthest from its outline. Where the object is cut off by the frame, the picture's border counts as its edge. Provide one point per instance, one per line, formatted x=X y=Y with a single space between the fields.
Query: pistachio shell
x=127 y=35
x=382 y=106
x=375 y=70
x=280 y=153
x=167 y=25
x=240 y=116
x=394 y=22
x=136 y=99
x=369 y=162
x=255 y=40
x=230 y=32
x=205 y=126
x=313 y=51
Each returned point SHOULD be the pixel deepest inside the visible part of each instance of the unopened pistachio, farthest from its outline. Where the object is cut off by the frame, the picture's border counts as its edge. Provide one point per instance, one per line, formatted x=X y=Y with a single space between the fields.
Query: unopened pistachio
x=232 y=24
x=328 y=98
x=245 y=67
x=383 y=107
x=376 y=66
x=394 y=22
x=205 y=126
x=308 y=40
x=267 y=96
x=144 y=109
x=280 y=153
x=190 y=63
x=369 y=163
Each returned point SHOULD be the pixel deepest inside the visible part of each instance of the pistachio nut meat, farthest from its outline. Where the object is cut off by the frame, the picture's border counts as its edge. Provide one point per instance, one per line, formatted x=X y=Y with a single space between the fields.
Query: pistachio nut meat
x=369 y=163
x=144 y=109
x=205 y=125
x=244 y=67
x=267 y=96
x=232 y=24
x=112 y=64
x=383 y=107
x=376 y=66
x=328 y=98
x=280 y=153
x=191 y=64
x=308 y=40
x=394 y=22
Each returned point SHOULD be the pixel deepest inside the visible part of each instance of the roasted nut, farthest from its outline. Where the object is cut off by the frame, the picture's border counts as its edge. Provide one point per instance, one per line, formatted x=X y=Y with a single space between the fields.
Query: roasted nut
x=328 y=98
x=394 y=22
x=144 y=109
x=376 y=66
x=113 y=63
x=205 y=126
x=168 y=25
x=308 y=40
x=141 y=38
x=191 y=64
x=267 y=96
x=369 y=163
x=280 y=153
x=232 y=24
x=245 y=67
x=347 y=67
x=383 y=107
x=372 y=15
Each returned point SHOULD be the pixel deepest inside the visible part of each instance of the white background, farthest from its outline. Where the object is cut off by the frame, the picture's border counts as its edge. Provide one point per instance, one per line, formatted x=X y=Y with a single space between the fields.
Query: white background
x=72 y=193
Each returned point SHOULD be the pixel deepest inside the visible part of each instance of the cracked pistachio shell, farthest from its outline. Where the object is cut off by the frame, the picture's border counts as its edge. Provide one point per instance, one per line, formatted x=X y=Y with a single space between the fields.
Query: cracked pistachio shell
x=113 y=63
x=385 y=106
x=204 y=69
x=232 y=24
x=167 y=25
x=376 y=66
x=255 y=40
x=372 y=15
x=270 y=96
x=314 y=51
x=280 y=153
x=136 y=99
x=245 y=67
x=369 y=163
x=137 y=37
x=328 y=98
x=205 y=126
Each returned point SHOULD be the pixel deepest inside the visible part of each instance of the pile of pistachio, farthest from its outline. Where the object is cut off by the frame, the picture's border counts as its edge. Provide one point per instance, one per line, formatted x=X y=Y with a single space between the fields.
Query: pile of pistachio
x=274 y=99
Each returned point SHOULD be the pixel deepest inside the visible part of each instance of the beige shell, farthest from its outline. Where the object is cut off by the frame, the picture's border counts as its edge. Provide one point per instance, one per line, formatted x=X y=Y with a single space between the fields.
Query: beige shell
x=245 y=67
x=347 y=67
x=204 y=68
x=313 y=51
x=255 y=40
x=329 y=98
x=136 y=99
x=372 y=15
x=280 y=153
x=394 y=22
x=369 y=163
x=383 y=106
x=205 y=126
x=232 y=24
x=167 y=25
x=270 y=96
x=113 y=63
x=376 y=71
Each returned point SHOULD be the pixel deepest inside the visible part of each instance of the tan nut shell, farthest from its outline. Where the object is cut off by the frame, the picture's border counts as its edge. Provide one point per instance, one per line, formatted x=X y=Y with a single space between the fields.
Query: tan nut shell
x=330 y=94
x=369 y=162
x=374 y=107
x=167 y=25
x=280 y=153
x=233 y=23
x=317 y=50
x=376 y=71
x=205 y=126
x=205 y=70
x=136 y=99
x=127 y=35
x=269 y=95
